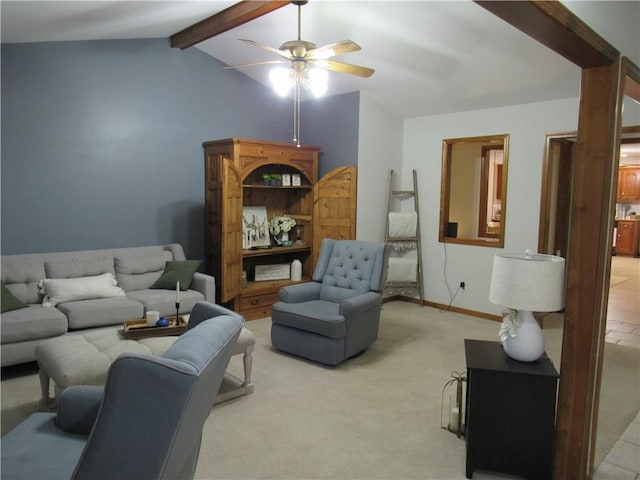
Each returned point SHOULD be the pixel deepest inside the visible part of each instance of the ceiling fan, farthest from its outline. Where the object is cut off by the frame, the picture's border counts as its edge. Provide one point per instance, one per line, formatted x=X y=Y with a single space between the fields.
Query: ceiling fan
x=308 y=67
x=304 y=55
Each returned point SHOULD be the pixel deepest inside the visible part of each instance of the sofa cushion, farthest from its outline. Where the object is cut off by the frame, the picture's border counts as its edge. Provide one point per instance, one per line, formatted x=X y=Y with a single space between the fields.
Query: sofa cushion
x=34 y=322
x=164 y=301
x=79 y=267
x=140 y=271
x=181 y=271
x=8 y=300
x=101 y=311
x=61 y=290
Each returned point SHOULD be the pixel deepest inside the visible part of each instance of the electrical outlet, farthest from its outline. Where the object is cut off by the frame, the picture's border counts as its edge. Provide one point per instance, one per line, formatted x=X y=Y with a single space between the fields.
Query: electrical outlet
x=462 y=285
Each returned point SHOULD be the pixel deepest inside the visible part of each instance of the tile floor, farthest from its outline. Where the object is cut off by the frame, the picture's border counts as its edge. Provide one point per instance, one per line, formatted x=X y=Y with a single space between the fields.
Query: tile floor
x=623 y=328
x=623 y=461
x=623 y=313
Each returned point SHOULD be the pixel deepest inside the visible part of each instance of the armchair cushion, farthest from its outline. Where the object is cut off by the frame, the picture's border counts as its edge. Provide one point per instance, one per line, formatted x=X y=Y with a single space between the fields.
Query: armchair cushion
x=317 y=316
x=352 y=268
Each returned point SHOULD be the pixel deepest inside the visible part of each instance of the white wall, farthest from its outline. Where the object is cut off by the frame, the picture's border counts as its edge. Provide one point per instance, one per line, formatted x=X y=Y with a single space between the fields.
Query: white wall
x=422 y=150
x=379 y=151
x=630 y=112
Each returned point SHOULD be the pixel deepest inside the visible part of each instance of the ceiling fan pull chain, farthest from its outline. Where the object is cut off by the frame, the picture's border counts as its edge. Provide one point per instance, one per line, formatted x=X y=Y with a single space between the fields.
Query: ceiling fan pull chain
x=296 y=114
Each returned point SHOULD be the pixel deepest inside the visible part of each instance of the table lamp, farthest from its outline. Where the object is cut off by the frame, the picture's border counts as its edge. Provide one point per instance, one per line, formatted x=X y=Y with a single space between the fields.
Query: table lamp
x=526 y=283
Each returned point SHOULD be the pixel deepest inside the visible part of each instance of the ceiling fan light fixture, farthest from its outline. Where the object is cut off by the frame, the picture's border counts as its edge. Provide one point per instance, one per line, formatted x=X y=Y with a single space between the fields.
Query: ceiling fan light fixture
x=317 y=81
x=308 y=67
x=283 y=79
x=280 y=78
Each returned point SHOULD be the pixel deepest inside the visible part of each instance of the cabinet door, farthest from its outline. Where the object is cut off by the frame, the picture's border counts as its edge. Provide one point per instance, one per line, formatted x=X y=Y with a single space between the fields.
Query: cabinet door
x=625 y=237
x=629 y=184
x=334 y=207
x=231 y=238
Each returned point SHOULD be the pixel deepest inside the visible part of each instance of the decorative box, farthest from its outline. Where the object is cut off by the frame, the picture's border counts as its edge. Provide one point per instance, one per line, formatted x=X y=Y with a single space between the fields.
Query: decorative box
x=280 y=271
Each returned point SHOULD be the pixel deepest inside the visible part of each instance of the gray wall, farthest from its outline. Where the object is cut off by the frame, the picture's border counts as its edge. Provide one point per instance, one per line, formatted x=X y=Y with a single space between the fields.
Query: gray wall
x=102 y=141
x=332 y=123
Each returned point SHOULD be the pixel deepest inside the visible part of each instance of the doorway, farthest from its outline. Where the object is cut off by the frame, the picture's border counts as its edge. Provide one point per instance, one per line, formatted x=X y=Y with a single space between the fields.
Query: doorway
x=623 y=306
x=555 y=208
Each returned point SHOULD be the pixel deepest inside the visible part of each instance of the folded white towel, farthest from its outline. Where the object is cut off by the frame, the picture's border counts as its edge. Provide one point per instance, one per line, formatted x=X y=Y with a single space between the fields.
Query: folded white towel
x=402 y=224
x=402 y=269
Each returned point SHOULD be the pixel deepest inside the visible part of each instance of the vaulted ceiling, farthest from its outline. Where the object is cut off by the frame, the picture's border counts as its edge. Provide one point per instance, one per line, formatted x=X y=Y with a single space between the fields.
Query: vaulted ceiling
x=430 y=57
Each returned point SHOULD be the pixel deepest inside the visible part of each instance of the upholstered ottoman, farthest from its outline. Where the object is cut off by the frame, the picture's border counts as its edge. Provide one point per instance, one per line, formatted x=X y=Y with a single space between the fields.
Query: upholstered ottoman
x=85 y=358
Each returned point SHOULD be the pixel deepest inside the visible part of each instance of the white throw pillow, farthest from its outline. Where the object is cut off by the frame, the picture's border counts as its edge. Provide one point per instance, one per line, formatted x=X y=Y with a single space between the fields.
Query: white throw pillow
x=58 y=290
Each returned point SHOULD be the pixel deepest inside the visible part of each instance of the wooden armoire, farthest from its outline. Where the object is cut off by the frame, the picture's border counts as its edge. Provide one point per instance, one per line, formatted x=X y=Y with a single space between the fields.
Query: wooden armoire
x=326 y=207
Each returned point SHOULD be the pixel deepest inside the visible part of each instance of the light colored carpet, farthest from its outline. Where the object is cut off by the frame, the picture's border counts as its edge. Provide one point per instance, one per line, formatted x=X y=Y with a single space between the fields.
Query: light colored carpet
x=377 y=416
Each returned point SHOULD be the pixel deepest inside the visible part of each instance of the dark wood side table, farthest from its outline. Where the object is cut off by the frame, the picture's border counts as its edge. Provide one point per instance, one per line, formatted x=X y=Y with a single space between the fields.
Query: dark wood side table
x=510 y=412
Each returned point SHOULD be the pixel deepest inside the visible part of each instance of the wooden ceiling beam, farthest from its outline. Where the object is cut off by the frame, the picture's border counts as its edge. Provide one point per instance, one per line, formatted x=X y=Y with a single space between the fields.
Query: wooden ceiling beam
x=234 y=16
x=554 y=25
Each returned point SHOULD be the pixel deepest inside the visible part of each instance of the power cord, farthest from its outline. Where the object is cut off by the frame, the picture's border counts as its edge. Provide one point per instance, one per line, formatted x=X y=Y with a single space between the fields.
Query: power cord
x=452 y=297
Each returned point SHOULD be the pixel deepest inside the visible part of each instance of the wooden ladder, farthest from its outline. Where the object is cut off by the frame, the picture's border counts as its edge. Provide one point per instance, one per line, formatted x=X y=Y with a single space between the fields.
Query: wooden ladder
x=403 y=245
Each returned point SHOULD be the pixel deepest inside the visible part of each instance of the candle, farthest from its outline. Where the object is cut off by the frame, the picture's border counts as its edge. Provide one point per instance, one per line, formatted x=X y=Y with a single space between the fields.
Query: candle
x=453 y=419
x=178 y=291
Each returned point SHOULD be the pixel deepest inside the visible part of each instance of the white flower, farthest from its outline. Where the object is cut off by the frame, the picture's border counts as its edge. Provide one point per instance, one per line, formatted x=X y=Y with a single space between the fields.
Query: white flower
x=281 y=224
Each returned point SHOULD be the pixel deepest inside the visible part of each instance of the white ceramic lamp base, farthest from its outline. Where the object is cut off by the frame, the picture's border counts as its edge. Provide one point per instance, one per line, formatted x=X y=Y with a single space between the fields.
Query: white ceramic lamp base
x=522 y=338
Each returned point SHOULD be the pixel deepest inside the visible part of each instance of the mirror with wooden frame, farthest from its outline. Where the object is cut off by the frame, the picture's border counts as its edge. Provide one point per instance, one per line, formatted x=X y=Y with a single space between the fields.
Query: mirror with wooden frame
x=473 y=196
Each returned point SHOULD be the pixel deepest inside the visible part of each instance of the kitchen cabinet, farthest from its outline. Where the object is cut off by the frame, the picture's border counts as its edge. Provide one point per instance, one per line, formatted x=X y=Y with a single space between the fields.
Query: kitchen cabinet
x=234 y=180
x=628 y=184
x=627 y=237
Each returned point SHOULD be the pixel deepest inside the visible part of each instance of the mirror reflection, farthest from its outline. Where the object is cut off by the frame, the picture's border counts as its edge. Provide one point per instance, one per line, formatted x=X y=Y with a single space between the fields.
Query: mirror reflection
x=474 y=190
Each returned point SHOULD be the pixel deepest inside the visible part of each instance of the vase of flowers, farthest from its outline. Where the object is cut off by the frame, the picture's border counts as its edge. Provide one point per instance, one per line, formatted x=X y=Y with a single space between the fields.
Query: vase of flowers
x=280 y=228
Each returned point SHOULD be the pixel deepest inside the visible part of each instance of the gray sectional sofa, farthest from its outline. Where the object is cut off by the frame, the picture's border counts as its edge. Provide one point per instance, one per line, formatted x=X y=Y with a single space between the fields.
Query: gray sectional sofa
x=135 y=269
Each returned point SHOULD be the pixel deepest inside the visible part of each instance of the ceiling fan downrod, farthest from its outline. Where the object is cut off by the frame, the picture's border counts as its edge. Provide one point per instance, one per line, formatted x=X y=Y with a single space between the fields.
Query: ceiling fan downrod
x=296 y=91
x=300 y=3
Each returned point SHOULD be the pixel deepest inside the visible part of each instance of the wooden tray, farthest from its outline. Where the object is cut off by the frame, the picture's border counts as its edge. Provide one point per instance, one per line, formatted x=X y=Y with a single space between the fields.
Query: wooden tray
x=138 y=328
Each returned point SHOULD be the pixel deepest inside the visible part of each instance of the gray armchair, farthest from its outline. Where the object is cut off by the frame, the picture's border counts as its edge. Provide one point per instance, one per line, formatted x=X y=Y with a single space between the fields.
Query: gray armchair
x=337 y=314
x=146 y=423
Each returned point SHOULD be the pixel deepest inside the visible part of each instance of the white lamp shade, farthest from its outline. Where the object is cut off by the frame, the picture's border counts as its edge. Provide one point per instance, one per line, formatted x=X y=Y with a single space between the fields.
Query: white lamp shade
x=532 y=282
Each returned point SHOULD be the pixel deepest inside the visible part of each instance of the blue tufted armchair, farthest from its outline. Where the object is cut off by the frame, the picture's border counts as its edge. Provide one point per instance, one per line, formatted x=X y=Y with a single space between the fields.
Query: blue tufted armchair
x=337 y=314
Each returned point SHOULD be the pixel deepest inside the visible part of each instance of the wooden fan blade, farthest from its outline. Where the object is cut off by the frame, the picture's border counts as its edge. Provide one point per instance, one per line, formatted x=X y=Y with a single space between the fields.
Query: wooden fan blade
x=328 y=51
x=251 y=64
x=343 y=68
x=283 y=53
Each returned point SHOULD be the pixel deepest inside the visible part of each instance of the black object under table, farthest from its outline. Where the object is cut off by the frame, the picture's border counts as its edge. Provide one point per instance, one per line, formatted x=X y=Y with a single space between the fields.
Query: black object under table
x=510 y=412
